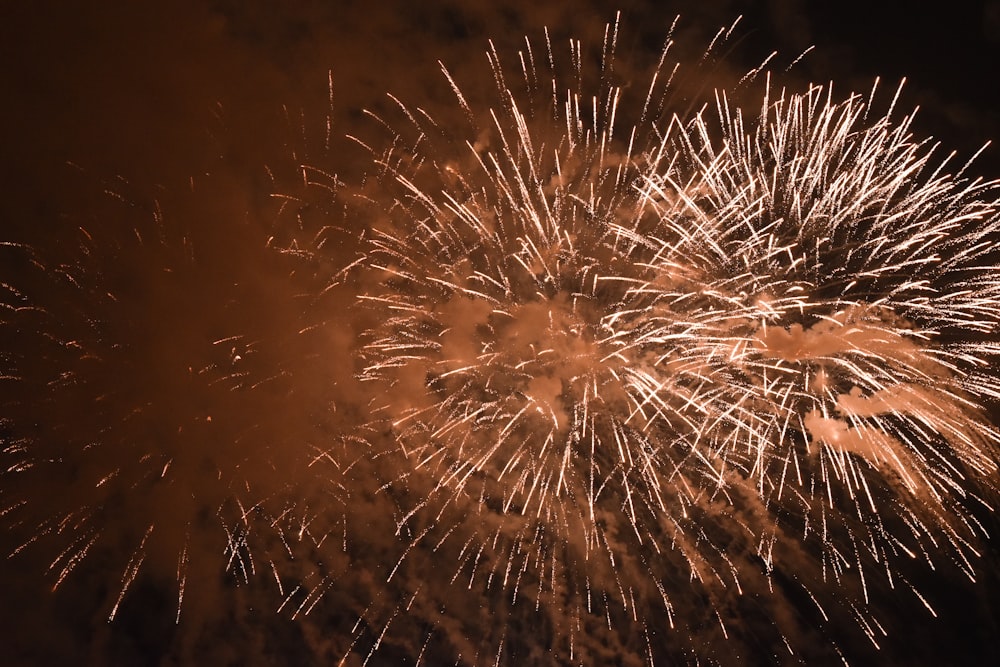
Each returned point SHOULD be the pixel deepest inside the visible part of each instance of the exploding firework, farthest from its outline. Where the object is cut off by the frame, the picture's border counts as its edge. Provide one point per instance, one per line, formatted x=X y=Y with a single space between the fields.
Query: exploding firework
x=168 y=411
x=633 y=370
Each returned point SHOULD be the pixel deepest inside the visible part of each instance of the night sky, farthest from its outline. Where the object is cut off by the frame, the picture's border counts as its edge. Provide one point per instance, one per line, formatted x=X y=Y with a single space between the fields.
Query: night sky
x=163 y=128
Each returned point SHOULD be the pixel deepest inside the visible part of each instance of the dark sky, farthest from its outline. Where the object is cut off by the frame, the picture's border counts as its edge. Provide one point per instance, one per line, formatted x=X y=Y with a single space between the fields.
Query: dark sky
x=155 y=100
x=140 y=89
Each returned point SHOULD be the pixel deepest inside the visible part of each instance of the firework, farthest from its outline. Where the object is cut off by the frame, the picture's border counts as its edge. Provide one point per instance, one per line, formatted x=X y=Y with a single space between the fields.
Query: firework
x=618 y=360
x=167 y=399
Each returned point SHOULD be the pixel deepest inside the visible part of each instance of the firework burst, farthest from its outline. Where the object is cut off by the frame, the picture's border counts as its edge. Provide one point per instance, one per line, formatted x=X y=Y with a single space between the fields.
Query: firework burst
x=155 y=410
x=844 y=297
x=618 y=359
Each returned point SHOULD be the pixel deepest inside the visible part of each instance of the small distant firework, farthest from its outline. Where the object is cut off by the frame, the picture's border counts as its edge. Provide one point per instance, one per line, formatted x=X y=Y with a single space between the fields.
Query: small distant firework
x=167 y=395
x=622 y=360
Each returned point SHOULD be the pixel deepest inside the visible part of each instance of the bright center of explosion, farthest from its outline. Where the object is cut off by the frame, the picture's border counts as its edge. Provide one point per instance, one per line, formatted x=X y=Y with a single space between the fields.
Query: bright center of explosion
x=507 y=366
x=542 y=352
